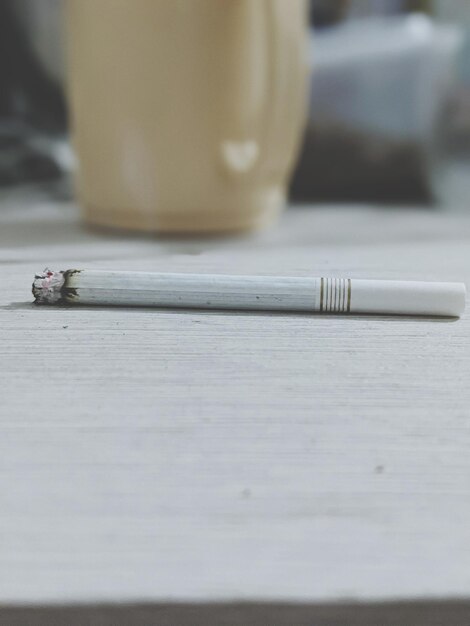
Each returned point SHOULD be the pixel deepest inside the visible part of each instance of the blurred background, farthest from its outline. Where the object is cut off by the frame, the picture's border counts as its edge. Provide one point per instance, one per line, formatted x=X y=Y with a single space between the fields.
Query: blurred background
x=389 y=107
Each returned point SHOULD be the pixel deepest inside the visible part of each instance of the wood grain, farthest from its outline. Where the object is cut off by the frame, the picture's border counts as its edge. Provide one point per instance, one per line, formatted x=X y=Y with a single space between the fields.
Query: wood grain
x=187 y=455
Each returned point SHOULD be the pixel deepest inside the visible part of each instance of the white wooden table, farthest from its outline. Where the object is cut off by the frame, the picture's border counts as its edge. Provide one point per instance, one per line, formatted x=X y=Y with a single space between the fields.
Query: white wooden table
x=186 y=456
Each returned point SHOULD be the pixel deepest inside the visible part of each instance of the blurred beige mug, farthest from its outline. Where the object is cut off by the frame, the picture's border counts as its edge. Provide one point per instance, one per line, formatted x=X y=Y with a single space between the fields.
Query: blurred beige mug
x=186 y=114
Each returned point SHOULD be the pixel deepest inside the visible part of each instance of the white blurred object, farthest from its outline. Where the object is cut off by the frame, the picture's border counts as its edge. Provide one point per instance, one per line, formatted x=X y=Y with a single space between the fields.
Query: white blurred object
x=389 y=76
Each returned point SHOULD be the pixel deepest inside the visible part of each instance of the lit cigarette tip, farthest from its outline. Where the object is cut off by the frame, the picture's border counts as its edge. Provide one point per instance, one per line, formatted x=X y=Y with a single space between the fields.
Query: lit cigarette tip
x=47 y=287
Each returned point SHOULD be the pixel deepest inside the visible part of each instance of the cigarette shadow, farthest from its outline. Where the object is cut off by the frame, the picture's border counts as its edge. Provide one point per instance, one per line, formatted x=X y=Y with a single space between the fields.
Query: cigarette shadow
x=24 y=306
x=411 y=613
x=18 y=306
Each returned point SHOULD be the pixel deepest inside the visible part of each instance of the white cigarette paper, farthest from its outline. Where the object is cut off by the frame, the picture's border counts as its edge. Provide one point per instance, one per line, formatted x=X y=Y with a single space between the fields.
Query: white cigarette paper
x=275 y=293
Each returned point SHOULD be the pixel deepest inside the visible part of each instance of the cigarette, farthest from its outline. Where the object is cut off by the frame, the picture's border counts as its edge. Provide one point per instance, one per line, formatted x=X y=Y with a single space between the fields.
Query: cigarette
x=260 y=293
